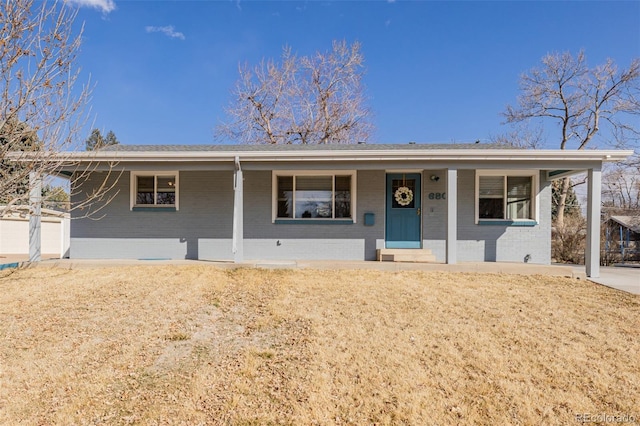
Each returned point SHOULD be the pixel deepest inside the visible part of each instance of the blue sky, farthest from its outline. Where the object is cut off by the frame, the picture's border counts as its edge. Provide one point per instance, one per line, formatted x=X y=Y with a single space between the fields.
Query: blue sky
x=436 y=71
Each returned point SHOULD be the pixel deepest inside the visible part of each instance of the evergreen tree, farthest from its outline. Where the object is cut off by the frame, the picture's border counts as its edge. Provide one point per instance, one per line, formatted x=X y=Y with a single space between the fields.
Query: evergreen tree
x=55 y=197
x=14 y=176
x=111 y=139
x=97 y=141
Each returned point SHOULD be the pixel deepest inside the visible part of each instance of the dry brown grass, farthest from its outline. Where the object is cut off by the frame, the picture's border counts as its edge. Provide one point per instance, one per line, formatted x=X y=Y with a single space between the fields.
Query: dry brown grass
x=200 y=345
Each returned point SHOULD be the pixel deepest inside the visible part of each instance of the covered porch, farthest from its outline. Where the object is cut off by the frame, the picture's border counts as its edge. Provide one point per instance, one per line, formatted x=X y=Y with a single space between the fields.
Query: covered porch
x=452 y=174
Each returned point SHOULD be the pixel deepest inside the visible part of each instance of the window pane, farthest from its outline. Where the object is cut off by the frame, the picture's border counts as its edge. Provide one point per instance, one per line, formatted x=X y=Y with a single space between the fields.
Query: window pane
x=313 y=196
x=285 y=196
x=491 y=197
x=491 y=208
x=491 y=186
x=519 y=197
x=343 y=196
x=145 y=190
x=166 y=190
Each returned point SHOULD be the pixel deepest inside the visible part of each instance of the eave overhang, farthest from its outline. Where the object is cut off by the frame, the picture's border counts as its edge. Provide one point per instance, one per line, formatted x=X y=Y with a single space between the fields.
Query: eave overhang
x=342 y=155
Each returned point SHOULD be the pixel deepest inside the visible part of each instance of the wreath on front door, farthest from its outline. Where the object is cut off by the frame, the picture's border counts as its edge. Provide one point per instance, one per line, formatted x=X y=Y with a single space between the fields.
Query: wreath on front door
x=403 y=196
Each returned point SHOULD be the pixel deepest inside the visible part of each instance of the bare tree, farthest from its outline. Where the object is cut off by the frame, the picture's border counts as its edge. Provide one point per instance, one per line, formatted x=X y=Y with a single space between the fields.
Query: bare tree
x=315 y=99
x=521 y=136
x=592 y=106
x=621 y=188
x=41 y=104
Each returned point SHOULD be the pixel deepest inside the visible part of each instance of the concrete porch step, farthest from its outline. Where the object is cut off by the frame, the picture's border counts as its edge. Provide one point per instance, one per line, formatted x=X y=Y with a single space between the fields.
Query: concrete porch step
x=405 y=255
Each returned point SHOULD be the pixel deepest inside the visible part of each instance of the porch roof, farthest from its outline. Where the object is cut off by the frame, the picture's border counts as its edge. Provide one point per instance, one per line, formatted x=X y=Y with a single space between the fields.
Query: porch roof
x=631 y=222
x=346 y=152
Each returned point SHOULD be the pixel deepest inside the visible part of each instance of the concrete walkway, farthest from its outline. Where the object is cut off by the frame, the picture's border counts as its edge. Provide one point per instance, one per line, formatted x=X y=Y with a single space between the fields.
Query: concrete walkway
x=468 y=267
x=621 y=278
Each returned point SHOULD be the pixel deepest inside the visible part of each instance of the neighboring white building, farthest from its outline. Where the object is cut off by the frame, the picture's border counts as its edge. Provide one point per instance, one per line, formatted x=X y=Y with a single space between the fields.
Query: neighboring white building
x=14 y=232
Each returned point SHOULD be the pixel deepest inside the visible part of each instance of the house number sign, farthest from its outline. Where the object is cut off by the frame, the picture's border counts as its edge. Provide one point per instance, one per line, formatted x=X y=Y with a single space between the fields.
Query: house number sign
x=437 y=195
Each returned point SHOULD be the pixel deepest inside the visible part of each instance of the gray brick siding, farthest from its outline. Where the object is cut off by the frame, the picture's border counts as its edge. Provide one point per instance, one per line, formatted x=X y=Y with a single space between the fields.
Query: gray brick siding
x=312 y=241
x=202 y=227
x=205 y=213
x=481 y=243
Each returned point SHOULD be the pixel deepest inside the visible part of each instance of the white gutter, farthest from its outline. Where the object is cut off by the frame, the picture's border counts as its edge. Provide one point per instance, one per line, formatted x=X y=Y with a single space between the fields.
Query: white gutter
x=343 y=155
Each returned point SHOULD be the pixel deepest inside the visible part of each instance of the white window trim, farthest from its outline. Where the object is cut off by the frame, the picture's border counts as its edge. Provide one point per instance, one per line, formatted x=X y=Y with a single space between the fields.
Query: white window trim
x=274 y=191
x=134 y=190
x=535 y=199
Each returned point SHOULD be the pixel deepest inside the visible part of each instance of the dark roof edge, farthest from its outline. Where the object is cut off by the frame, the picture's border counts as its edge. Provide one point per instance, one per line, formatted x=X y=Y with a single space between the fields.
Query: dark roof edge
x=291 y=147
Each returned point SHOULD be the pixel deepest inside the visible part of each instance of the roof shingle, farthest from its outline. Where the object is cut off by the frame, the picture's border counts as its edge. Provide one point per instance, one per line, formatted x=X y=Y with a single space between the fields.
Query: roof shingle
x=324 y=147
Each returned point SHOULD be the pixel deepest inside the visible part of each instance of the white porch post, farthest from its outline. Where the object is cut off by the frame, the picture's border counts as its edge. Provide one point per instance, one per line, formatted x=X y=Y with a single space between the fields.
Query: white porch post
x=592 y=252
x=238 y=216
x=452 y=215
x=35 y=211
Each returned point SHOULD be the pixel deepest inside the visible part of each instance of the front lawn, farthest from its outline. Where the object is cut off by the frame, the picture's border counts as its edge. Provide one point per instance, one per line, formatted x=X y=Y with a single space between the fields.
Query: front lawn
x=202 y=345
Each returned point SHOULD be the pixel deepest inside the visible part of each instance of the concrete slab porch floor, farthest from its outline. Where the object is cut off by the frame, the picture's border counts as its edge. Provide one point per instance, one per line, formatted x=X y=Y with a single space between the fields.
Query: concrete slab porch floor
x=625 y=279
x=469 y=267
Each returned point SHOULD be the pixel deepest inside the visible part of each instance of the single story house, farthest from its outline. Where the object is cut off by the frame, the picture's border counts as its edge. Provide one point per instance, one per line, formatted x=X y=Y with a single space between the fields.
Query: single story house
x=622 y=237
x=463 y=202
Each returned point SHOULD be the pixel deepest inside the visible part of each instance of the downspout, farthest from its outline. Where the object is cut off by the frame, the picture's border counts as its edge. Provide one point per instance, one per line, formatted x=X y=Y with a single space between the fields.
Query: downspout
x=452 y=217
x=237 y=243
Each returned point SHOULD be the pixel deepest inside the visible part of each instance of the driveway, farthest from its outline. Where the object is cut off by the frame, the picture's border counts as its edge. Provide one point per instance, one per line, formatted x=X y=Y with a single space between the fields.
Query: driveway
x=619 y=277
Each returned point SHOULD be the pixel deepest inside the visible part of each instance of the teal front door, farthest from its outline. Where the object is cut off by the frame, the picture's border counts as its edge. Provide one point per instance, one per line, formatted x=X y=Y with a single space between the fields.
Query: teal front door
x=403 y=210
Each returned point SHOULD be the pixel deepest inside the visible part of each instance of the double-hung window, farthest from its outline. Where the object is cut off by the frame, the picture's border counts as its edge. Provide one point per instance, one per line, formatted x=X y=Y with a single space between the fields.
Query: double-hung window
x=154 y=190
x=506 y=196
x=314 y=195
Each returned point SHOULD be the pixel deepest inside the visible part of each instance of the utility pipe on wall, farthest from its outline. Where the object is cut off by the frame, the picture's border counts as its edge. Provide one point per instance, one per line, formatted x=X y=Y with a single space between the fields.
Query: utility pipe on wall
x=237 y=244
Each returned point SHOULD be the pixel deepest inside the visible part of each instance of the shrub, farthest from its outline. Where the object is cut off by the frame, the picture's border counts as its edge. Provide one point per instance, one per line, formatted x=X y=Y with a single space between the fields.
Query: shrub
x=568 y=242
